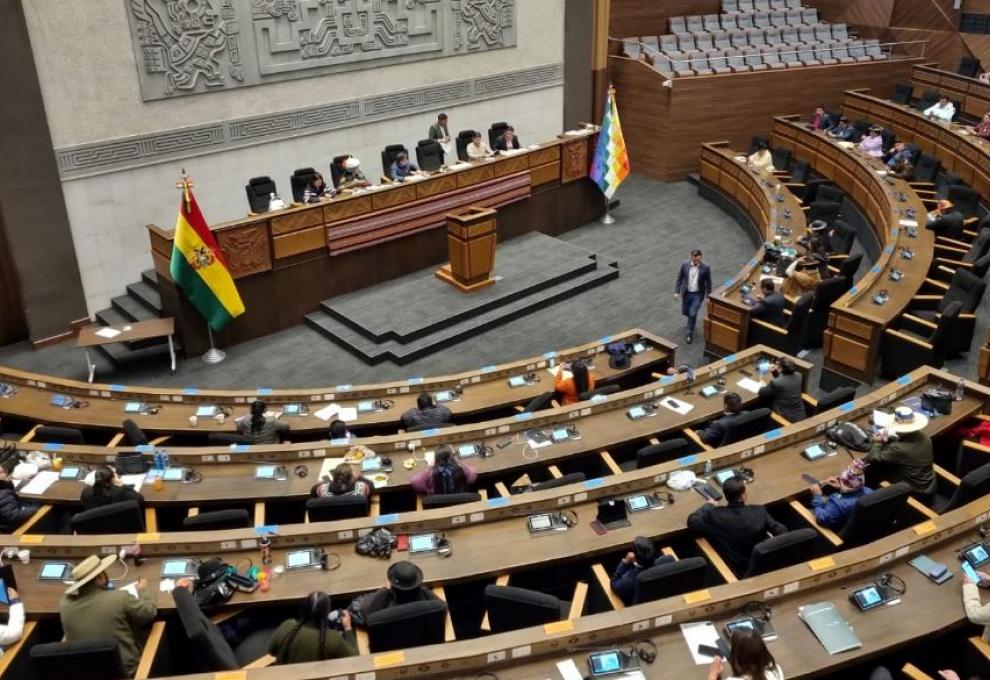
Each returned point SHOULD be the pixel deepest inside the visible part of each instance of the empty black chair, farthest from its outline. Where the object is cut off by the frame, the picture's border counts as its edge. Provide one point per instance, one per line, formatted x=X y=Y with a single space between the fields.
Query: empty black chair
x=299 y=180
x=445 y=500
x=569 y=478
x=828 y=291
x=333 y=508
x=218 y=520
x=259 y=191
x=539 y=403
x=981 y=267
x=969 y=67
x=599 y=392
x=654 y=454
x=337 y=169
x=876 y=515
x=224 y=438
x=426 y=426
x=746 y=425
x=836 y=397
x=464 y=137
x=80 y=660
x=825 y=211
x=965 y=288
x=810 y=193
x=429 y=155
x=842 y=237
x=800 y=171
x=134 y=435
x=496 y=131
x=902 y=93
x=901 y=351
x=511 y=608
x=926 y=169
x=927 y=100
x=782 y=551
x=388 y=157
x=211 y=650
x=49 y=434
x=124 y=517
x=887 y=140
x=850 y=266
x=781 y=158
x=975 y=484
x=965 y=199
x=830 y=193
x=980 y=245
x=672 y=578
x=407 y=625
x=789 y=339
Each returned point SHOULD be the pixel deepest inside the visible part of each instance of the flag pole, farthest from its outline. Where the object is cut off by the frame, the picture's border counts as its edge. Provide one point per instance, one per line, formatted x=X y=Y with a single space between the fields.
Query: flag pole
x=213 y=355
x=607 y=218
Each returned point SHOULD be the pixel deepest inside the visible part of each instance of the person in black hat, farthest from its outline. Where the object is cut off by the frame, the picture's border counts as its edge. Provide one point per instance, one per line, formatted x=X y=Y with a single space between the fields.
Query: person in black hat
x=405 y=585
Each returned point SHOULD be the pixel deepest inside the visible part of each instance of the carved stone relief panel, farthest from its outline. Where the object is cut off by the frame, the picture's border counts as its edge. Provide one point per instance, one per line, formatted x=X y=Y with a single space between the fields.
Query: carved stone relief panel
x=194 y=46
x=246 y=250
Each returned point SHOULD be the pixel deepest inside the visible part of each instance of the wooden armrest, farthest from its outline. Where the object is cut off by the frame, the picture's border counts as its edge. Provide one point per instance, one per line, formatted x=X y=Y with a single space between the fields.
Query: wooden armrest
x=980 y=646
x=911 y=671
x=916 y=505
x=921 y=182
x=520 y=408
x=419 y=503
x=225 y=615
x=30 y=435
x=834 y=270
x=150 y=520
x=150 y=650
x=158 y=441
x=193 y=511
x=448 y=625
x=792 y=184
x=116 y=439
x=945 y=264
x=838 y=256
x=716 y=560
x=501 y=580
x=656 y=376
x=10 y=651
x=809 y=400
x=951 y=243
x=970 y=220
x=975 y=446
x=364 y=647
x=693 y=436
x=605 y=583
x=32 y=520
x=946 y=475
x=779 y=419
x=555 y=471
x=908 y=338
x=502 y=489
x=259 y=513
x=264 y=662
x=555 y=403
x=610 y=463
x=937 y=283
x=926 y=298
x=769 y=326
x=654 y=441
x=669 y=551
x=577 y=602
x=483 y=493
x=808 y=517
x=375 y=505
x=919 y=320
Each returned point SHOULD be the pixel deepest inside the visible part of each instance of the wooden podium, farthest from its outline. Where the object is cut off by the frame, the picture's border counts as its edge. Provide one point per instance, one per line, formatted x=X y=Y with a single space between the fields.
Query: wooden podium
x=471 y=238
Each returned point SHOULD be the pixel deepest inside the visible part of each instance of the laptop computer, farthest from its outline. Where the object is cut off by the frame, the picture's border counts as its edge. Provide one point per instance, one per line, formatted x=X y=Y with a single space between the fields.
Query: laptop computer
x=612 y=513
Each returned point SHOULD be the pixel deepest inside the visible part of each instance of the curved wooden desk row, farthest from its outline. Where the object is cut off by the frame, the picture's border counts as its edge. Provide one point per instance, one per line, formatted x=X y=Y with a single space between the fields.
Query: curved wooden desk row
x=602 y=426
x=484 y=390
x=856 y=323
x=769 y=205
x=777 y=477
x=964 y=154
x=973 y=94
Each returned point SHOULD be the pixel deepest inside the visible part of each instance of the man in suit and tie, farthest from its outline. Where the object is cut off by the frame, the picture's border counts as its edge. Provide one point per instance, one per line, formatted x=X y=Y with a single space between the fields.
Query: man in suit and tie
x=770 y=305
x=694 y=282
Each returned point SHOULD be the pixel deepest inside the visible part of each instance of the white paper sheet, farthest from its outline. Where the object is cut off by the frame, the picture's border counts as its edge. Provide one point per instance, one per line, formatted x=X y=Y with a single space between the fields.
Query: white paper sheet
x=676 y=405
x=327 y=412
x=40 y=482
x=700 y=633
x=537 y=445
x=137 y=481
x=348 y=415
x=107 y=332
x=908 y=223
x=568 y=670
x=750 y=385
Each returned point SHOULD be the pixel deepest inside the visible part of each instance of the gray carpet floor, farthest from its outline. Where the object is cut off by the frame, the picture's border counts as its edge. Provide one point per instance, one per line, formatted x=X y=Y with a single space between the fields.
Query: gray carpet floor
x=656 y=226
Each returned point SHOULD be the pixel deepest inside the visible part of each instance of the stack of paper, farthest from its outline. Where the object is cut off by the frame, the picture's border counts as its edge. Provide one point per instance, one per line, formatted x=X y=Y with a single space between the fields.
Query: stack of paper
x=327 y=412
x=750 y=385
x=108 y=332
x=676 y=405
x=40 y=482
x=700 y=633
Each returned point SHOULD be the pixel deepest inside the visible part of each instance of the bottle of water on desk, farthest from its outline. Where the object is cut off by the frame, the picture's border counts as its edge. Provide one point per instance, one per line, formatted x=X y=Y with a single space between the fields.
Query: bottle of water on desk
x=960 y=390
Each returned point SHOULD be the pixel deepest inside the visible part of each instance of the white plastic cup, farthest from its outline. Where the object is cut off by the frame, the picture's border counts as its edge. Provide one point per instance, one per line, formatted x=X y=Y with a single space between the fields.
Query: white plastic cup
x=24 y=556
x=193 y=420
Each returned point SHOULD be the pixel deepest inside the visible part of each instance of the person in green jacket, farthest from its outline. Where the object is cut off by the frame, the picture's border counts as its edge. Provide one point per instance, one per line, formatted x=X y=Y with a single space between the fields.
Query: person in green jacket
x=312 y=636
x=91 y=611
x=905 y=452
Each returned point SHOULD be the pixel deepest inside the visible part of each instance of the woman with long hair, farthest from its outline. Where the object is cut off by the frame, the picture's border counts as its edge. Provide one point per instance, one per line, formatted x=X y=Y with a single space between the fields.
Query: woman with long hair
x=571 y=388
x=259 y=427
x=446 y=475
x=312 y=636
x=749 y=659
x=342 y=482
x=107 y=488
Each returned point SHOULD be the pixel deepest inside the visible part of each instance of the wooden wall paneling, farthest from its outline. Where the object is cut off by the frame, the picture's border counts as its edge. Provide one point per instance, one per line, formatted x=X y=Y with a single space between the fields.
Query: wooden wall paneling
x=856 y=12
x=937 y=15
x=979 y=45
x=944 y=47
x=650 y=17
x=12 y=325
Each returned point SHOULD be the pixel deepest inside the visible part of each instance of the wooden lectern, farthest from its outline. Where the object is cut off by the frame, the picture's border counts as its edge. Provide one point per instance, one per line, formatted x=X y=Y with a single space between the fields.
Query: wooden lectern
x=471 y=238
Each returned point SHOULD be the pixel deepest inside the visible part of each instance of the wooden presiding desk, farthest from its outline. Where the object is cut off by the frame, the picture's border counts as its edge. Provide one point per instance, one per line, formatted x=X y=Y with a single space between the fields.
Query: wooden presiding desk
x=774 y=211
x=856 y=323
x=485 y=393
x=286 y=262
x=490 y=539
x=973 y=95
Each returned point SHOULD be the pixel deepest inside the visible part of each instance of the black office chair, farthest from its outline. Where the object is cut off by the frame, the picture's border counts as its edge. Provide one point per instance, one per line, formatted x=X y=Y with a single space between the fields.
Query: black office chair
x=299 y=180
x=429 y=155
x=967 y=289
x=672 y=578
x=927 y=100
x=79 y=660
x=756 y=143
x=981 y=267
x=218 y=520
x=49 y=434
x=569 y=478
x=782 y=551
x=810 y=193
x=781 y=158
x=850 y=266
x=445 y=500
x=388 y=157
x=827 y=211
x=227 y=438
x=496 y=131
x=800 y=171
x=539 y=403
x=337 y=169
x=259 y=191
x=746 y=425
x=887 y=140
x=979 y=246
x=875 y=515
x=828 y=291
x=511 y=608
x=860 y=128
x=333 y=508
x=965 y=199
x=789 y=339
x=464 y=137
x=926 y=170
x=426 y=426
x=124 y=517
x=842 y=237
x=134 y=435
x=603 y=391
x=212 y=651
x=969 y=67
x=654 y=454
x=975 y=484
x=830 y=193
x=902 y=93
x=407 y=625
x=837 y=397
x=912 y=344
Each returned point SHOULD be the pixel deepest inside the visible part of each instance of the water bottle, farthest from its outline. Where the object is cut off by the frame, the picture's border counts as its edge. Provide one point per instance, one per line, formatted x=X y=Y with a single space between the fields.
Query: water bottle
x=164 y=459
x=159 y=462
x=266 y=549
x=708 y=467
x=960 y=390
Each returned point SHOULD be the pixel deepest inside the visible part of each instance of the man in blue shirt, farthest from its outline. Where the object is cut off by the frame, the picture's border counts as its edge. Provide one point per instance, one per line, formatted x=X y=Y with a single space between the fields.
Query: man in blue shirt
x=643 y=556
x=833 y=511
x=402 y=167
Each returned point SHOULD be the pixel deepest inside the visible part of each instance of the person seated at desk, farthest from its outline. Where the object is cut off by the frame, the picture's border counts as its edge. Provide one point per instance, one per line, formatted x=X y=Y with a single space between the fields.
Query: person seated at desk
x=943 y=110
x=571 y=384
x=440 y=133
x=426 y=412
x=317 y=190
x=714 y=431
x=261 y=428
x=946 y=221
x=906 y=453
x=982 y=129
x=802 y=276
x=897 y=151
x=821 y=120
x=405 y=585
x=843 y=131
x=402 y=167
x=761 y=160
x=11 y=631
x=311 y=637
x=872 y=143
x=818 y=251
x=817 y=230
x=832 y=512
x=13 y=510
x=339 y=433
x=91 y=611
x=507 y=140
x=783 y=392
x=977 y=612
x=447 y=474
x=749 y=659
x=478 y=149
x=107 y=488
x=642 y=556
x=902 y=169
x=735 y=528
x=342 y=482
x=984 y=77
x=352 y=177
x=769 y=304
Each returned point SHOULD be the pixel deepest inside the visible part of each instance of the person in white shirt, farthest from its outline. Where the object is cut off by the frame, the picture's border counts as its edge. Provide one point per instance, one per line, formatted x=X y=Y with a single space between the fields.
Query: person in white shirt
x=942 y=111
x=761 y=160
x=749 y=659
x=976 y=611
x=12 y=632
x=477 y=149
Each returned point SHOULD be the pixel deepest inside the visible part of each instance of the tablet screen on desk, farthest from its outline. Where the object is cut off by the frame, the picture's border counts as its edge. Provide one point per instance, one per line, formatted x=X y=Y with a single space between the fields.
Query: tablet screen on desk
x=467 y=450
x=422 y=543
x=264 y=472
x=446 y=395
x=638 y=502
x=70 y=472
x=133 y=407
x=722 y=476
x=639 y=347
x=517 y=381
x=176 y=568
x=371 y=464
x=206 y=411
x=292 y=409
x=174 y=474
x=868 y=598
x=977 y=555
x=53 y=571
x=560 y=434
x=605 y=662
x=636 y=412
x=814 y=452
x=739 y=624
x=365 y=406
x=540 y=522
x=298 y=559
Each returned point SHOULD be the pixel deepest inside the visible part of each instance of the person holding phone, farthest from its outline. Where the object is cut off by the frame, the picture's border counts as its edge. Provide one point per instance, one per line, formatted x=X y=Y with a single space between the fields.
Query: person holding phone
x=11 y=633
x=749 y=659
x=976 y=611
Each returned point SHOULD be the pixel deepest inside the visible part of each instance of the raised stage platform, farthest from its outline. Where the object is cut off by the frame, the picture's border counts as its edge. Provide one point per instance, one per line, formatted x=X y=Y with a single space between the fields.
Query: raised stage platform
x=408 y=317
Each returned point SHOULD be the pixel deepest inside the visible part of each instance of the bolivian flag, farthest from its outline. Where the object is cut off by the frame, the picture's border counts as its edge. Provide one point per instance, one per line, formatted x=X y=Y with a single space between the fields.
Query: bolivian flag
x=199 y=268
x=611 y=164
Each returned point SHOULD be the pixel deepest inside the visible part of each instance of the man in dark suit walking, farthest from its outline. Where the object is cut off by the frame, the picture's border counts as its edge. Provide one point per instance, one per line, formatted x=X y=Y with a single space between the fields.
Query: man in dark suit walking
x=694 y=282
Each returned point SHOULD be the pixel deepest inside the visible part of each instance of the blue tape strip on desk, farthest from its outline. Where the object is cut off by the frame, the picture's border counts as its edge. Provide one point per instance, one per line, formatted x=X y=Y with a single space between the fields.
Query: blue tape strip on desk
x=876 y=269
x=727 y=283
x=524 y=416
x=666 y=380
x=432 y=432
x=594 y=483
x=888 y=250
x=264 y=391
x=729 y=358
x=144 y=448
x=773 y=434
x=343 y=388
x=415 y=381
x=266 y=529
x=904 y=380
x=688 y=460
x=116 y=388
x=387 y=519
x=52 y=446
x=853 y=290
x=498 y=502
x=847 y=407
x=239 y=448
x=607 y=339
x=549 y=355
x=190 y=391
x=488 y=369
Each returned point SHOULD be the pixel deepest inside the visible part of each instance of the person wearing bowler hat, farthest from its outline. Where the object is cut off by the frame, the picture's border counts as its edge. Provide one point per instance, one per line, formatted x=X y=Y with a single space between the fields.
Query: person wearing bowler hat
x=352 y=176
x=405 y=585
x=905 y=452
x=90 y=610
x=833 y=510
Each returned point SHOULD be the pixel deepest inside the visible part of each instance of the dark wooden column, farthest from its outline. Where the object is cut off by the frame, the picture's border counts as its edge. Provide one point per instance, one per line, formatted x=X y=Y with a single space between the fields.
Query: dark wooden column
x=579 y=38
x=599 y=64
x=36 y=235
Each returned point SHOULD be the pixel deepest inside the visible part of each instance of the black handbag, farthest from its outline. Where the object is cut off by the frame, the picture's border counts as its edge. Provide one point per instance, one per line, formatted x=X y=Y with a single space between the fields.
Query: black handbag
x=937 y=400
x=130 y=463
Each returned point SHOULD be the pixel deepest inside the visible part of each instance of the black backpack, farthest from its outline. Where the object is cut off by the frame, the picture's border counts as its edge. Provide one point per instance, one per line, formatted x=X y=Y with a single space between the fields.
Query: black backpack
x=849 y=435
